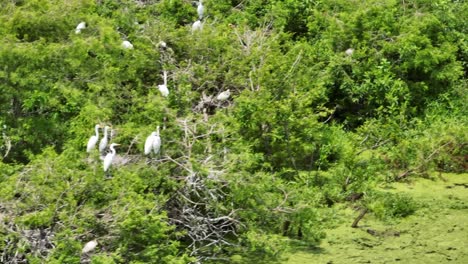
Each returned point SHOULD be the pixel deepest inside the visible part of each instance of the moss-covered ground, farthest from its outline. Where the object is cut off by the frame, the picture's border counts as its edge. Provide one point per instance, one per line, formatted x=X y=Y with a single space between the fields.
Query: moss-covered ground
x=436 y=233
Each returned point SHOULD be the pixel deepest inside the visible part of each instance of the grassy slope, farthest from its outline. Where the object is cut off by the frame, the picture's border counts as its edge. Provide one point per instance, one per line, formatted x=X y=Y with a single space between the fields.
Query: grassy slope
x=436 y=233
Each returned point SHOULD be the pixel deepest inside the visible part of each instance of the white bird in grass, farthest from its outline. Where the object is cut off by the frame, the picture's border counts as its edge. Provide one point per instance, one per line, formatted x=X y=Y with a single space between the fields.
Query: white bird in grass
x=90 y=246
x=127 y=45
x=224 y=95
x=197 y=25
x=163 y=87
x=103 y=142
x=81 y=25
x=153 y=142
x=93 y=140
x=200 y=9
x=110 y=156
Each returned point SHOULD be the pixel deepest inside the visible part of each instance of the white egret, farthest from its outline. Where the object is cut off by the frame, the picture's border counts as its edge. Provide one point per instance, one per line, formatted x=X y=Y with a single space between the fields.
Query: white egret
x=90 y=246
x=153 y=142
x=162 y=44
x=197 y=25
x=163 y=87
x=349 y=51
x=224 y=95
x=127 y=45
x=93 y=139
x=200 y=9
x=110 y=156
x=103 y=142
x=81 y=25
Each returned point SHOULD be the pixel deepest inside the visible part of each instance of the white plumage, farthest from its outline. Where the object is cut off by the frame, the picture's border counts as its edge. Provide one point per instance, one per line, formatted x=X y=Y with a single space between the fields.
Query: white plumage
x=349 y=51
x=90 y=246
x=109 y=157
x=149 y=143
x=127 y=45
x=224 y=95
x=81 y=25
x=162 y=44
x=163 y=87
x=103 y=142
x=200 y=9
x=157 y=143
x=93 y=140
x=153 y=142
x=197 y=25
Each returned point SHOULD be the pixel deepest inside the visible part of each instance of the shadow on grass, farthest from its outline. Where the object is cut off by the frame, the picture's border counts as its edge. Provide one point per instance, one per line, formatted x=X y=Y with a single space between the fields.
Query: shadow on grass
x=304 y=246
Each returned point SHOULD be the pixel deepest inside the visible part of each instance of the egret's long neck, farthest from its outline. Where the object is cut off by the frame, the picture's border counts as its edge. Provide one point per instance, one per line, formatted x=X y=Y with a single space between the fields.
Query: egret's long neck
x=165 y=77
x=97 y=131
x=157 y=131
x=105 y=132
x=112 y=150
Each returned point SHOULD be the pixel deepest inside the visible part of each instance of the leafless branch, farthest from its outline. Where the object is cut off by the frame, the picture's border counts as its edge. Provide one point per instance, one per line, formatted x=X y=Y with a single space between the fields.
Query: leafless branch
x=424 y=162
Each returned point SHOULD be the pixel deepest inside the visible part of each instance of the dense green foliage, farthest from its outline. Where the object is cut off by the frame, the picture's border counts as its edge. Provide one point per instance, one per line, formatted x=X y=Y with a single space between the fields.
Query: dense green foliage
x=328 y=100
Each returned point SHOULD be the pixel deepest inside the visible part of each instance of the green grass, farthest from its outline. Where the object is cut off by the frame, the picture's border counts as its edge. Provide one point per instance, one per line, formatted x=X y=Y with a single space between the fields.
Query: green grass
x=436 y=233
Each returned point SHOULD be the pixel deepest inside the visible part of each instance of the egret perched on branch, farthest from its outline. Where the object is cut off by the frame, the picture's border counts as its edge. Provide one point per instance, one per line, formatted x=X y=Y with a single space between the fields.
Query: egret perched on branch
x=153 y=142
x=163 y=87
x=81 y=25
x=90 y=246
x=103 y=142
x=197 y=25
x=110 y=156
x=93 y=139
x=224 y=95
x=127 y=45
x=200 y=9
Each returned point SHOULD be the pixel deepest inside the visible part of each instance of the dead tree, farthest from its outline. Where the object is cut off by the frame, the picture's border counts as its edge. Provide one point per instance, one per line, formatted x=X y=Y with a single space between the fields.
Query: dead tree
x=194 y=208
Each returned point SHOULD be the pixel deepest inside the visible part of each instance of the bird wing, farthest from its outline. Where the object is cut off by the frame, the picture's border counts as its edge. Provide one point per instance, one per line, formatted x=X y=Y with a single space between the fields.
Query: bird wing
x=89 y=247
x=149 y=144
x=200 y=10
x=127 y=44
x=102 y=144
x=223 y=96
x=156 y=144
x=91 y=143
x=163 y=89
x=80 y=26
x=107 y=161
x=196 y=25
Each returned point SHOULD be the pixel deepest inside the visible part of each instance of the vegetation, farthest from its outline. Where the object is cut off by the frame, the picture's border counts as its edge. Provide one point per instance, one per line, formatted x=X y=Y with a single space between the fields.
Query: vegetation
x=433 y=233
x=329 y=100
